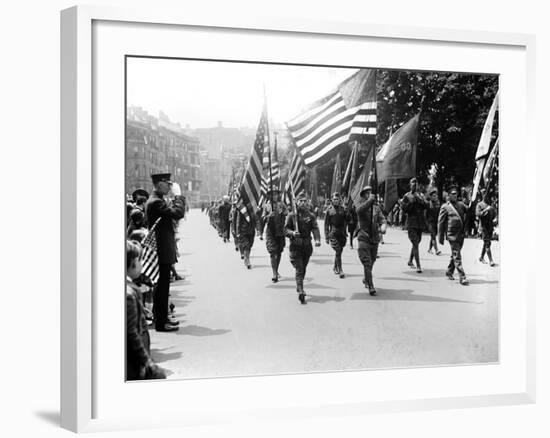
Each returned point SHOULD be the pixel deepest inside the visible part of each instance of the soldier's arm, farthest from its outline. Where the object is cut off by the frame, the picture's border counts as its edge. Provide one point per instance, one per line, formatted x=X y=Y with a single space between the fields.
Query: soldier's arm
x=327 y=224
x=315 y=229
x=442 y=223
x=365 y=206
x=289 y=225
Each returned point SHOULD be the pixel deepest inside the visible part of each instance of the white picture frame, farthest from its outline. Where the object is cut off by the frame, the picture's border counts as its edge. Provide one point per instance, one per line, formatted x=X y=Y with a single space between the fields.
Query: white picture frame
x=82 y=183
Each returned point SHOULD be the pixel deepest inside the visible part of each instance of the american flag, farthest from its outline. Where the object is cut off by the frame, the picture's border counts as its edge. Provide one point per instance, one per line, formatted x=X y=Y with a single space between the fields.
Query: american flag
x=275 y=173
x=249 y=191
x=149 y=256
x=330 y=122
x=296 y=174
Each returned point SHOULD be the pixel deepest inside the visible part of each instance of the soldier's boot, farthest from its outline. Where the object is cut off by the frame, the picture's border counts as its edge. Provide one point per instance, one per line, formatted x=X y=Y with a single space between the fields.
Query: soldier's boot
x=335 y=266
x=481 y=258
x=410 y=262
x=274 y=266
x=247 y=258
x=340 y=270
x=300 y=290
x=490 y=256
x=369 y=284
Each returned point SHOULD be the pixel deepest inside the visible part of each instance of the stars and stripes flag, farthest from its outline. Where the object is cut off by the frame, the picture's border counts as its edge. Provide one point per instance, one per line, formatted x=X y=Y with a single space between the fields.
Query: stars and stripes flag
x=249 y=191
x=296 y=179
x=345 y=114
x=149 y=256
x=274 y=175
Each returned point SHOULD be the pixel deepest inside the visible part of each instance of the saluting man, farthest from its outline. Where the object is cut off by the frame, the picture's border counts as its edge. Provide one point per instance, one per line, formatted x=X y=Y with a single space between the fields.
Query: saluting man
x=155 y=208
x=452 y=216
x=298 y=228
x=335 y=231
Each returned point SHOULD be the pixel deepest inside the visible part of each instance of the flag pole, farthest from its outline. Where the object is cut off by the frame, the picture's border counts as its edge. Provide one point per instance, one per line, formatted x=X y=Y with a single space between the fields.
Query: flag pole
x=294 y=209
x=268 y=152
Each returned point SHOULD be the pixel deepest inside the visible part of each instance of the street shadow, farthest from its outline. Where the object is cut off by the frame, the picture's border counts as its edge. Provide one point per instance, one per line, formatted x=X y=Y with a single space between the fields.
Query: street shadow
x=186 y=254
x=321 y=262
x=476 y=281
x=293 y=286
x=321 y=299
x=405 y=295
x=51 y=417
x=196 y=330
x=426 y=272
x=259 y=256
x=159 y=355
x=402 y=279
x=260 y=266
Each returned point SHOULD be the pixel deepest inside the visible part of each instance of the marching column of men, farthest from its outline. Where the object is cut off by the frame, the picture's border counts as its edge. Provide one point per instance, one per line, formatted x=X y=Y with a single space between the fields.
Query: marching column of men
x=364 y=221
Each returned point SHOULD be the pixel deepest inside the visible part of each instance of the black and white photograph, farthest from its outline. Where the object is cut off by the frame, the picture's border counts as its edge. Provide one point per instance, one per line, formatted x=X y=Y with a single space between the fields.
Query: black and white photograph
x=287 y=219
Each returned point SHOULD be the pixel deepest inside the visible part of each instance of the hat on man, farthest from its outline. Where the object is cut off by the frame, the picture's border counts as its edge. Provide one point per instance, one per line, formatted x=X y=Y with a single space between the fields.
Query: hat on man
x=365 y=189
x=158 y=177
x=301 y=195
x=139 y=192
x=336 y=195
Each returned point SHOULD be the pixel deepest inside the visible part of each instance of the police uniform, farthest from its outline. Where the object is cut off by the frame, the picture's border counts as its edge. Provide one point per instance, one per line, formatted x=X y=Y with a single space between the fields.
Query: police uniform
x=157 y=208
x=300 y=248
x=335 y=233
x=370 y=218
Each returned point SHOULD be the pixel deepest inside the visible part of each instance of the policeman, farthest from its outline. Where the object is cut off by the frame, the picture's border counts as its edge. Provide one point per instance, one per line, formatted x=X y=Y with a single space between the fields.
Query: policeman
x=299 y=226
x=157 y=208
x=274 y=220
x=335 y=231
x=371 y=222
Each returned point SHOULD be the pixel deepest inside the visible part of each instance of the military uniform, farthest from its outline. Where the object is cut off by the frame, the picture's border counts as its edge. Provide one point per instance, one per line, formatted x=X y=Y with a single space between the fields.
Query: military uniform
x=414 y=206
x=335 y=233
x=223 y=214
x=352 y=223
x=300 y=248
x=486 y=215
x=370 y=218
x=451 y=223
x=245 y=235
x=275 y=235
x=432 y=214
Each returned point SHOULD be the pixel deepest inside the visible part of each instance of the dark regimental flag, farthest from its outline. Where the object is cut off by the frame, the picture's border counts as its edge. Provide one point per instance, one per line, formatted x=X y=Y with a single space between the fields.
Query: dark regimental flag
x=397 y=157
x=296 y=179
x=149 y=256
x=347 y=113
x=249 y=192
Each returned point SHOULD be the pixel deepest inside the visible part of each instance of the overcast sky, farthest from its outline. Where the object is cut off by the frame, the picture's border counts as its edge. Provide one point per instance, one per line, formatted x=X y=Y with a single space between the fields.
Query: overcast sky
x=201 y=93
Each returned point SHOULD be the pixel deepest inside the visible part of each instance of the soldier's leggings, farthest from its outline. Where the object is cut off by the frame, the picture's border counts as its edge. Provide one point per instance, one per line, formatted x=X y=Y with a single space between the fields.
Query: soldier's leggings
x=299 y=257
x=456 y=258
x=367 y=254
x=415 y=236
x=337 y=243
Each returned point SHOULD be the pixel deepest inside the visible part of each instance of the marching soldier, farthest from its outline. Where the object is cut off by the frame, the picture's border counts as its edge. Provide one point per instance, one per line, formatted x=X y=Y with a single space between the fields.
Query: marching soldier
x=371 y=223
x=335 y=231
x=233 y=224
x=414 y=205
x=451 y=222
x=432 y=215
x=486 y=215
x=245 y=235
x=299 y=226
x=223 y=214
x=274 y=221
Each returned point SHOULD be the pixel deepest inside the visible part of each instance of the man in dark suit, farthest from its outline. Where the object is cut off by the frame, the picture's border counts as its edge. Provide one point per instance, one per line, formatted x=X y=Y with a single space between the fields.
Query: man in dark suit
x=157 y=209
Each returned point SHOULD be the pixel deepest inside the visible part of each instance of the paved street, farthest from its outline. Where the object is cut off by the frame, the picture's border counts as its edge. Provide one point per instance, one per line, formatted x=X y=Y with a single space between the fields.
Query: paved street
x=235 y=321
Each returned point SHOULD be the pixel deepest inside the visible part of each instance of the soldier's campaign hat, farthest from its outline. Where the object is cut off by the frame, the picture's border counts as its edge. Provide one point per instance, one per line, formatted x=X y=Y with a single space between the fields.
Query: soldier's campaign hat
x=365 y=189
x=336 y=195
x=139 y=192
x=158 y=177
x=451 y=188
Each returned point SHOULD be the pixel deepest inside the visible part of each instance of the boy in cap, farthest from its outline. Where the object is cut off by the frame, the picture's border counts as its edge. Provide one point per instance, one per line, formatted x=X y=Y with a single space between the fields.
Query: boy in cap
x=299 y=226
x=414 y=205
x=335 y=231
x=158 y=209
